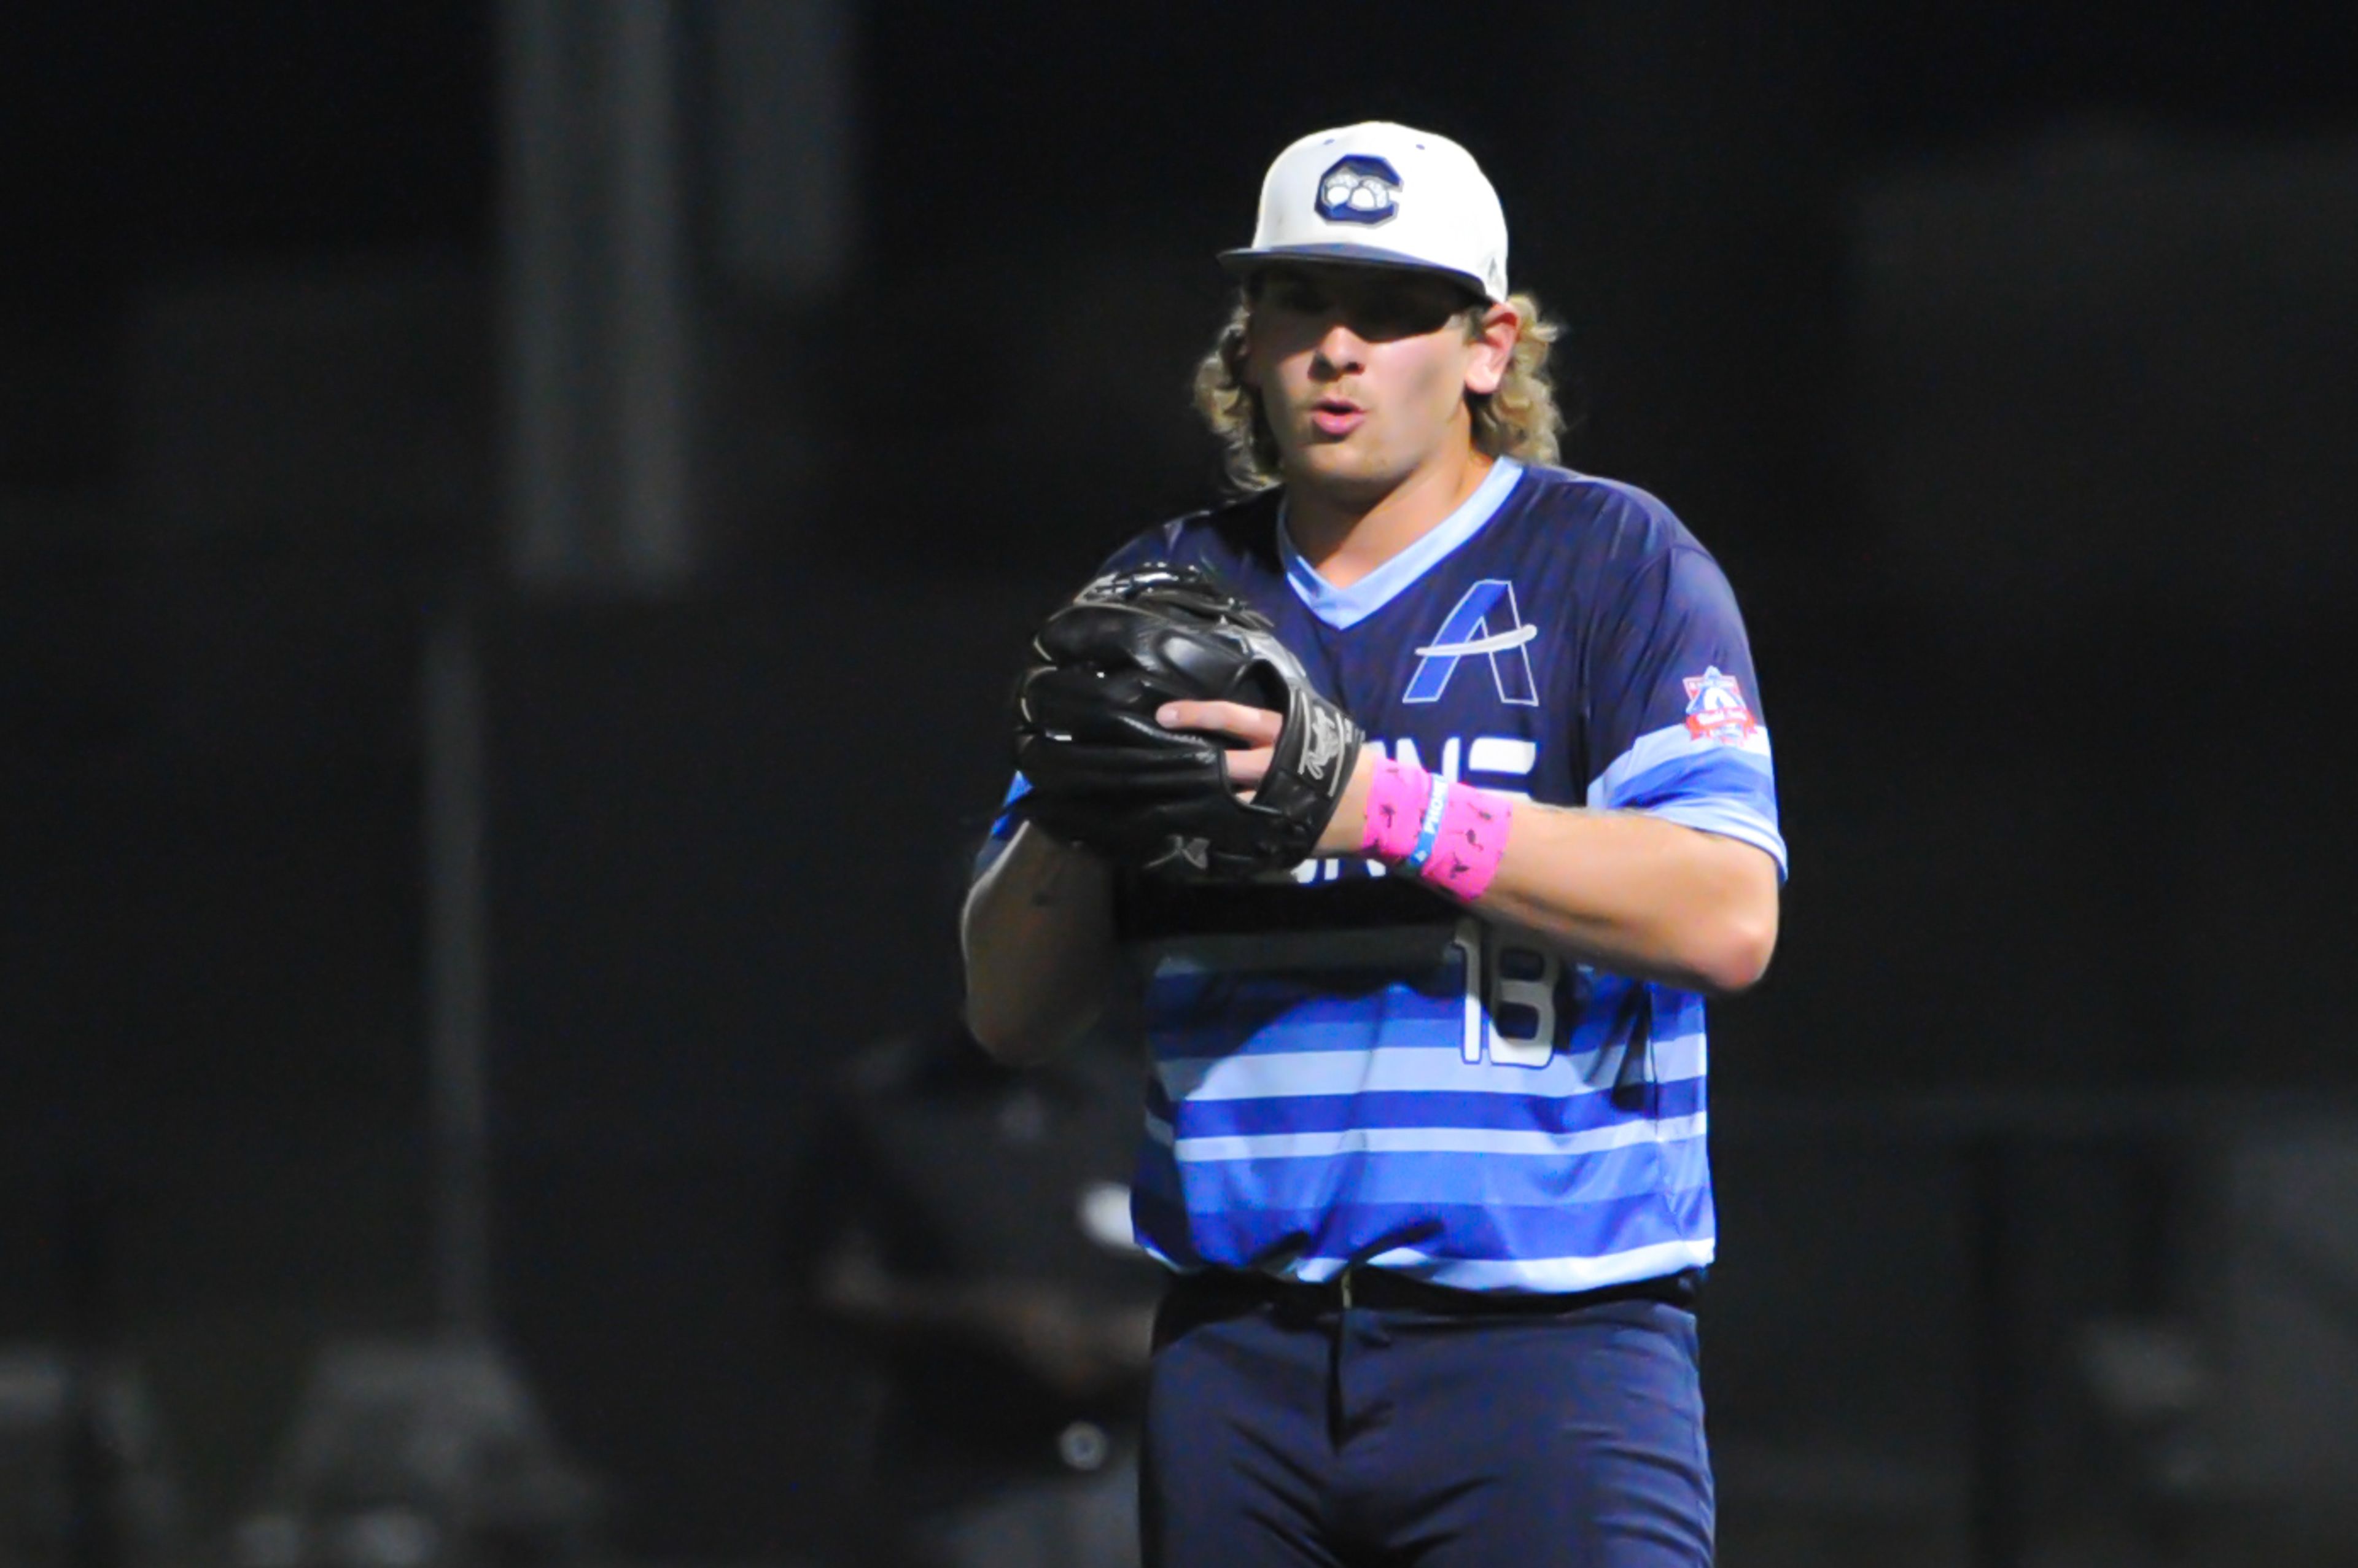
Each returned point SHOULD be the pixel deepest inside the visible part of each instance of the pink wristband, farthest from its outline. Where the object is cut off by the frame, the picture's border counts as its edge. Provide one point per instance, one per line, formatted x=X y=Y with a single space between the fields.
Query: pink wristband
x=1473 y=840
x=1396 y=795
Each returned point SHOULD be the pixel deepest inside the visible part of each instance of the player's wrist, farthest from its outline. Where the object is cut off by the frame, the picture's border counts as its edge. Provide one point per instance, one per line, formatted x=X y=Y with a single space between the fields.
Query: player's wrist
x=1451 y=835
x=1347 y=828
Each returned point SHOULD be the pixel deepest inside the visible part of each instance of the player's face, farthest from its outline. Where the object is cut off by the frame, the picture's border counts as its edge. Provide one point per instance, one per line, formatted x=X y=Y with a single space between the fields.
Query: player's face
x=1363 y=371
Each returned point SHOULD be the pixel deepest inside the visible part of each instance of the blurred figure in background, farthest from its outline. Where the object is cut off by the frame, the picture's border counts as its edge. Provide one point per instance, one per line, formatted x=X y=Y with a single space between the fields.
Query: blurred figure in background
x=965 y=1230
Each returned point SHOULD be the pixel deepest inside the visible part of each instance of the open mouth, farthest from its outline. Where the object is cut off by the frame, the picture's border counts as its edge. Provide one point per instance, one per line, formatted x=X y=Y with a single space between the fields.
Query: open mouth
x=1337 y=416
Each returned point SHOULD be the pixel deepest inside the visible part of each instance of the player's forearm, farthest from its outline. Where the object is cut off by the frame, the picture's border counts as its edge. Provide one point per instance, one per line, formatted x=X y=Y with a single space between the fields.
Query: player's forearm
x=1639 y=896
x=1039 y=941
x=1627 y=893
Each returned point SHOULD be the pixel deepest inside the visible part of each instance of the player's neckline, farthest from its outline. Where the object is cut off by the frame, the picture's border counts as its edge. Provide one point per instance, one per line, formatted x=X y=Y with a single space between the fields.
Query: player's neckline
x=1343 y=607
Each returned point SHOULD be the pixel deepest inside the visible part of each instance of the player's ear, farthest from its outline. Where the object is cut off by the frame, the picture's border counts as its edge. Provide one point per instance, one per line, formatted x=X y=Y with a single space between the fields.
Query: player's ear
x=1491 y=336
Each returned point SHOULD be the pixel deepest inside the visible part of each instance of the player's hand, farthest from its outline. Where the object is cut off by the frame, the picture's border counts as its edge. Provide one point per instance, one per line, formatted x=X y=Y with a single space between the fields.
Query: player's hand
x=1256 y=731
x=1166 y=799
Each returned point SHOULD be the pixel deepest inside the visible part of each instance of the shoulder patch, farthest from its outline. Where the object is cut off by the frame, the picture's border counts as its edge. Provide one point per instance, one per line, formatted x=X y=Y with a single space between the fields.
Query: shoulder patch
x=1716 y=710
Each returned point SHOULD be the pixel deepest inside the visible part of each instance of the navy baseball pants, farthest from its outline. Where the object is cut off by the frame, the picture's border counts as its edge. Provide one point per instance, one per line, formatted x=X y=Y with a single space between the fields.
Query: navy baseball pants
x=1281 y=1434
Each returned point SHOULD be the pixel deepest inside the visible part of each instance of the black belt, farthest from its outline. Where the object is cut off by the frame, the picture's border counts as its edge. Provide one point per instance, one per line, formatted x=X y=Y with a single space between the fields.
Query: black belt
x=1359 y=1286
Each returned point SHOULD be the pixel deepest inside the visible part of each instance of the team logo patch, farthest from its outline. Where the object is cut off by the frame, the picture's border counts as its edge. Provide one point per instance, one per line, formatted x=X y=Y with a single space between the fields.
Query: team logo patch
x=1359 y=189
x=1485 y=624
x=1716 y=710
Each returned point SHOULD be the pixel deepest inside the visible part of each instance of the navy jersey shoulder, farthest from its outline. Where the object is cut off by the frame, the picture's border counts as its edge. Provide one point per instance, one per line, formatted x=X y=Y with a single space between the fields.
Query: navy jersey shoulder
x=1608 y=533
x=1237 y=539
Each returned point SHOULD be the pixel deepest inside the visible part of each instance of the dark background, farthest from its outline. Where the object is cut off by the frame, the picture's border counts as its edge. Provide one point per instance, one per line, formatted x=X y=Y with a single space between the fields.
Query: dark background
x=2002 y=352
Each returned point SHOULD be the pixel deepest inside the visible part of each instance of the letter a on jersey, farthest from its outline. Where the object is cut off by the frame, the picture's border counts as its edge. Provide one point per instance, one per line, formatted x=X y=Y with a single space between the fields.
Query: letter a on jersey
x=1485 y=623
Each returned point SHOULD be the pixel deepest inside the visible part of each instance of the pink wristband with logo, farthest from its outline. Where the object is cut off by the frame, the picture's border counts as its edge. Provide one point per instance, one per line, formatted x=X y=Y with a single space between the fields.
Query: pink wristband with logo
x=1472 y=841
x=1396 y=795
x=1468 y=828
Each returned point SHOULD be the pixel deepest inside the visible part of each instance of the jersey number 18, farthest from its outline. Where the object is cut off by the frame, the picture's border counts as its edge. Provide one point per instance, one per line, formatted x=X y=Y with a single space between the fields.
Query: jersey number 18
x=1510 y=997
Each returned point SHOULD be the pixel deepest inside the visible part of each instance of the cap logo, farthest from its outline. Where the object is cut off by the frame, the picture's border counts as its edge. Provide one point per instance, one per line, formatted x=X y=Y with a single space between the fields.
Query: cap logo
x=1359 y=189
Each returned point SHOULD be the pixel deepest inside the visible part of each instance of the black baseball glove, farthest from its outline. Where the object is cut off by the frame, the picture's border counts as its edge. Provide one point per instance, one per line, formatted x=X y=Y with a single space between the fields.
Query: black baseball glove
x=1104 y=774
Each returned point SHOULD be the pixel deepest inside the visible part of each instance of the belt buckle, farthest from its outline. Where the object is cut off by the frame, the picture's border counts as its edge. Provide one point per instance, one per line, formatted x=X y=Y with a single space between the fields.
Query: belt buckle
x=1343 y=1285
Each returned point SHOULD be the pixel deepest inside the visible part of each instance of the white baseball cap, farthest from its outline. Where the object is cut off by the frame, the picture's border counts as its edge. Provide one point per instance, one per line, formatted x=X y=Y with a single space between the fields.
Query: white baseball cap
x=1381 y=195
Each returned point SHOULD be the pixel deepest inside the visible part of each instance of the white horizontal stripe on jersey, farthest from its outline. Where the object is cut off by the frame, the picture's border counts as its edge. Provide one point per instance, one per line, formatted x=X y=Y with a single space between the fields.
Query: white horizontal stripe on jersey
x=1655 y=747
x=1436 y=1141
x=1529 y=1274
x=1394 y=1069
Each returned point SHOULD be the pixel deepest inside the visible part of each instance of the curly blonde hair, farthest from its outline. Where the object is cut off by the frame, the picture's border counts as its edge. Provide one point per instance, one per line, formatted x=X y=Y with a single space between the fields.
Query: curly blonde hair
x=1519 y=420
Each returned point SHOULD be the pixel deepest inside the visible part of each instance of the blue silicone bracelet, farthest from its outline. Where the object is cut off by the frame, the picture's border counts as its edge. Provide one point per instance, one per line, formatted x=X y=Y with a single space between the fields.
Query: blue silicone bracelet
x=1428 y=832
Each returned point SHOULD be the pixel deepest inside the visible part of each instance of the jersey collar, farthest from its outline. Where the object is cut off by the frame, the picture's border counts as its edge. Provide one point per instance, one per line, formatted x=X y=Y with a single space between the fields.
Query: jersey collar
x=1342 y=608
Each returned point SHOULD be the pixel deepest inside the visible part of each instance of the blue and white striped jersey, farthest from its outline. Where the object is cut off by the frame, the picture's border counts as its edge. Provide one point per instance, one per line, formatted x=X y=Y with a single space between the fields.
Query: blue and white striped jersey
x=1348 y=1067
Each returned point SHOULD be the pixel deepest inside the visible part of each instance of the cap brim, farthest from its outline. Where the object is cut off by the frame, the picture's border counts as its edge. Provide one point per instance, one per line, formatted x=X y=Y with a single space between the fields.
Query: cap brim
x=1244 y=263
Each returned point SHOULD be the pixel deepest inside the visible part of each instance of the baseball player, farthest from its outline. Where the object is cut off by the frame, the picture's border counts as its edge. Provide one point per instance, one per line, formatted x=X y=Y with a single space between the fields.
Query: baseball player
x=1416 y=800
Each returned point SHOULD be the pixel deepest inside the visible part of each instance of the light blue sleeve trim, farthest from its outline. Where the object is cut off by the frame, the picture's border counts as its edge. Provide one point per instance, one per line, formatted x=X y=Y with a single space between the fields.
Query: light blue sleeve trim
x=1730 y=819
x=1670 y=744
